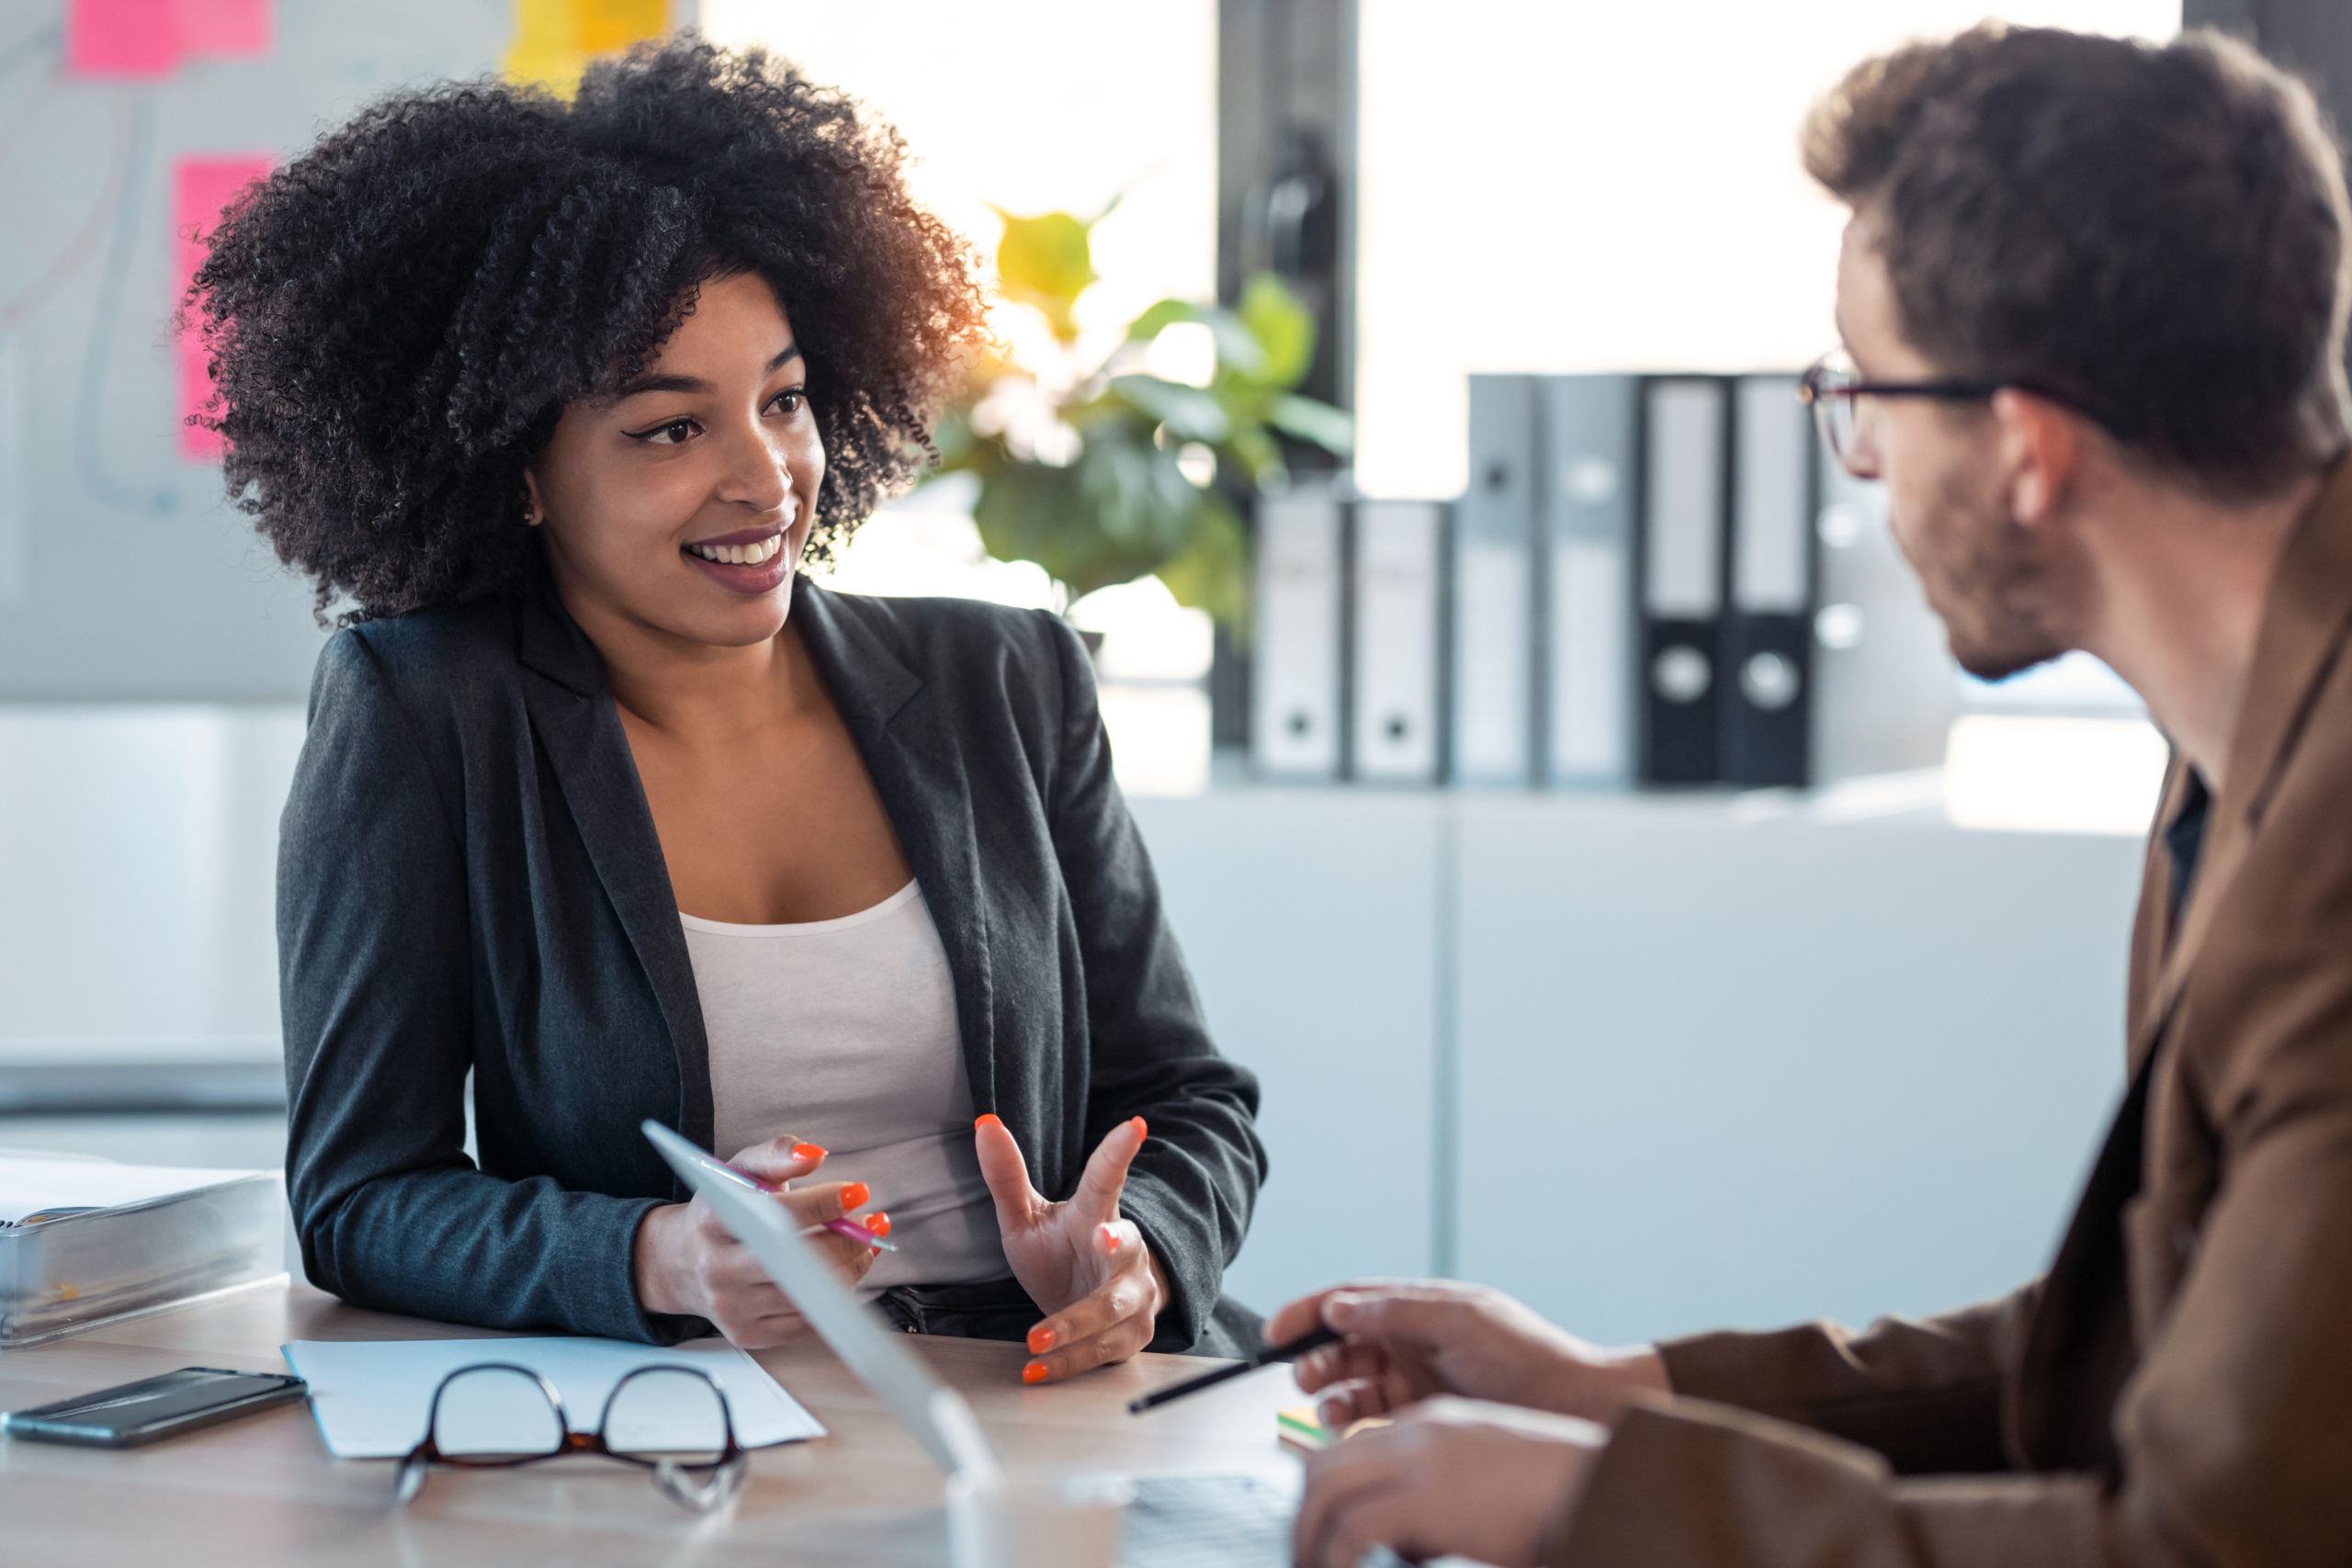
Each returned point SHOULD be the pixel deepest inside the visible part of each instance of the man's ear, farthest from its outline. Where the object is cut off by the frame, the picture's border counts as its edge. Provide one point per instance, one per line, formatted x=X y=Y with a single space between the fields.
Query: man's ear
x=2041 y=446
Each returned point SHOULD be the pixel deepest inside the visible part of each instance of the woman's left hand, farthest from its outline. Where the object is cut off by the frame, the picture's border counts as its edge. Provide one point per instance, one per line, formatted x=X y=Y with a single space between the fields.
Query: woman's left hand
x=1080 y=1256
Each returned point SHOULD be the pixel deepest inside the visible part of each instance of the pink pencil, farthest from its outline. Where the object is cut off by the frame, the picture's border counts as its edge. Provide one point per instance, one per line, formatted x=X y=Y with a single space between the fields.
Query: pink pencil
x=852 y=1230
x=849 y=1229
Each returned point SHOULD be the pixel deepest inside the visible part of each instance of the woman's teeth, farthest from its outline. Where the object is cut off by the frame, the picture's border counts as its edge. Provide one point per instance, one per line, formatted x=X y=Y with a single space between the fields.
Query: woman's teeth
x=740 y=555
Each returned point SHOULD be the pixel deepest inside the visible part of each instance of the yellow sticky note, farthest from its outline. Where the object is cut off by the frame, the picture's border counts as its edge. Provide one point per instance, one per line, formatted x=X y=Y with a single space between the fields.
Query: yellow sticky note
x=554 y=40
x=607 y=25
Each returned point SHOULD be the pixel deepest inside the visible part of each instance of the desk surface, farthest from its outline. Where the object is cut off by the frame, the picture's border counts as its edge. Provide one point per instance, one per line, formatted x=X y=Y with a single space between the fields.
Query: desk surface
x=262 y=1490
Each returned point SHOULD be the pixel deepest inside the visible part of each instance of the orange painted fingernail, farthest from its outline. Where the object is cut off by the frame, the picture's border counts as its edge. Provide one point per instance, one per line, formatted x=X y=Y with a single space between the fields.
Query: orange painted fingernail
x=1143 y=1128
x=1041 y=1339
x=807 y=1151
x=878 y=1221
x=1034 y=1373
x=990 y=1120
x=854 y=1195
x=1111 y=1237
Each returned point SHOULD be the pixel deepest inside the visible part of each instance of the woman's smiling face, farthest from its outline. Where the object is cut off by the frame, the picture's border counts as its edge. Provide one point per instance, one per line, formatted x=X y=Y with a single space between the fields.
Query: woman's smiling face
x=679 y=506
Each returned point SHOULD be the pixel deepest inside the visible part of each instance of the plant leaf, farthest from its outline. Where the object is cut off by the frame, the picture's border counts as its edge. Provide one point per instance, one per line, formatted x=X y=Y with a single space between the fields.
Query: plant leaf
x=1237 y=349
x=1048 y=262
x=1260 y=457
x=1212 y=571
x=1159 y=317
x=1283 y=327
x=1190 y=414
x=1305 y=419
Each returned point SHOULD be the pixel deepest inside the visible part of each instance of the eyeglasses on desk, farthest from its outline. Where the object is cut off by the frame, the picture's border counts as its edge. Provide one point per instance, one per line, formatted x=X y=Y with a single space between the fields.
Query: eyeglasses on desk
x=671 y=1420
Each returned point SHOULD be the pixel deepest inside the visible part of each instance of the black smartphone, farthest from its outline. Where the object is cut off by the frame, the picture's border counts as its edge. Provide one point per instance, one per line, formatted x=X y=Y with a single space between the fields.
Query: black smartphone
x=139 y=1413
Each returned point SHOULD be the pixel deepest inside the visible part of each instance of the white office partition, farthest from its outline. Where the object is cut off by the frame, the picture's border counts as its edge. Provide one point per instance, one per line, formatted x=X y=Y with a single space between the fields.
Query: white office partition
x=1722 y=1067
x=1307 y=920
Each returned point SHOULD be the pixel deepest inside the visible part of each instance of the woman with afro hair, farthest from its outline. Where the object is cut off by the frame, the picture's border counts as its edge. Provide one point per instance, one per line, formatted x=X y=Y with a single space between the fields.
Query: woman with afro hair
x=606 y=804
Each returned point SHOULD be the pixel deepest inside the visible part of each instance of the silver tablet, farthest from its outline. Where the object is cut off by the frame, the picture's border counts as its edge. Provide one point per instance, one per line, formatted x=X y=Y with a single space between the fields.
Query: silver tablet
x=928 y=1408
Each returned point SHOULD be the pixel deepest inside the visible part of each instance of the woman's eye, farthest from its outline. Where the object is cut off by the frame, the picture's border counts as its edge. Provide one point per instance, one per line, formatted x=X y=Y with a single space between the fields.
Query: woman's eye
x=671 y=434
x=790 y=402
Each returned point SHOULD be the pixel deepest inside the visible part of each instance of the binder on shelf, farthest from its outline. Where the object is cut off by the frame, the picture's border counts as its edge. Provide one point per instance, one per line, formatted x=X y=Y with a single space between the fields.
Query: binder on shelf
x=1493 y=666
x=1683 y=525
x=1294 y=700
x=1592 y=447
x=1392 y=649
x=1884 y=687
x=1767 y=636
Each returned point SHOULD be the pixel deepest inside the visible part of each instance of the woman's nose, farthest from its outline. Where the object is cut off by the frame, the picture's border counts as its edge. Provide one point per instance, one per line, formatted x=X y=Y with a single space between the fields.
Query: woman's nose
x=759 y=473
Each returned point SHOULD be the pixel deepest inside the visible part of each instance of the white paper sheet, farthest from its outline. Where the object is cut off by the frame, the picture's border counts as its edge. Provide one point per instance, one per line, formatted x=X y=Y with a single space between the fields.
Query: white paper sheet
x=30 y=1186
x=370 y=1396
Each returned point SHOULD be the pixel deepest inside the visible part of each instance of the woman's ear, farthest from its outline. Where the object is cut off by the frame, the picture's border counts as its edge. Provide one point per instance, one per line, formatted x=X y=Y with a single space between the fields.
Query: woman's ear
x=533 y=512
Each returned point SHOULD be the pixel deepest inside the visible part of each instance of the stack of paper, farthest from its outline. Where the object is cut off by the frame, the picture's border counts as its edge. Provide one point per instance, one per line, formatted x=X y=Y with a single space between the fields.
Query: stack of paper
x=85 y=1242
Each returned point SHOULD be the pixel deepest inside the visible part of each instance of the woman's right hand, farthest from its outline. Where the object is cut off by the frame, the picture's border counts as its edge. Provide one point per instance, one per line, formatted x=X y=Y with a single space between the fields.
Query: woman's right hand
x=1407 y=1341
x=688 y=1263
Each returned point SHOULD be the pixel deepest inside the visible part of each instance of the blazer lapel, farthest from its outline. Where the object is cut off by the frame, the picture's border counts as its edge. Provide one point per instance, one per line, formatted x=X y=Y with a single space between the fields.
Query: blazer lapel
x=2081 y=1346
x=580 y=731
x=909 y=751
x=2303 y=625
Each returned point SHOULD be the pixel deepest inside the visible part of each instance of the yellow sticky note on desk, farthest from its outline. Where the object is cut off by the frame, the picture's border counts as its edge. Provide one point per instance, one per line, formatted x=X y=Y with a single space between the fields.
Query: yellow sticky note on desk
x=1299 y=1428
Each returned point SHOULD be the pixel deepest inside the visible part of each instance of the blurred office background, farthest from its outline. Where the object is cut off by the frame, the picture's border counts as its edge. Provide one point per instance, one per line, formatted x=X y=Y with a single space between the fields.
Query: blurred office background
x=1652 y=1060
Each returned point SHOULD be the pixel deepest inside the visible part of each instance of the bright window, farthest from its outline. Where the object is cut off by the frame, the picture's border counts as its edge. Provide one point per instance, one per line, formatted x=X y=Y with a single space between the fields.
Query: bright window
x=1589 y=186
x=1034 y=107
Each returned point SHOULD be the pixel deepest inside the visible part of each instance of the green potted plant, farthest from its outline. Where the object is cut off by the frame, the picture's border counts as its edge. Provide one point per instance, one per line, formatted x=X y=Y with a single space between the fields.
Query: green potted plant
x=1104 y=472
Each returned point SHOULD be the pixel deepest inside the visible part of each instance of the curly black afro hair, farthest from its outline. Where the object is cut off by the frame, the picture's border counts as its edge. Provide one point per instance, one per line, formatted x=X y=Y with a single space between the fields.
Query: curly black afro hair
x=396 y=320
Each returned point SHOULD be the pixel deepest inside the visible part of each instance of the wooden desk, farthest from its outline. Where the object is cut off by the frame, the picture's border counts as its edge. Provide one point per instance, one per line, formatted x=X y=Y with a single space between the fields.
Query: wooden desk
x=262 y=1490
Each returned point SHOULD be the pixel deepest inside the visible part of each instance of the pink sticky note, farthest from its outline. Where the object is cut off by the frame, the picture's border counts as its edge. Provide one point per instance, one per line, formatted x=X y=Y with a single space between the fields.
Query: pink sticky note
x=201 y=188
x=122 y=37
x=232 y=30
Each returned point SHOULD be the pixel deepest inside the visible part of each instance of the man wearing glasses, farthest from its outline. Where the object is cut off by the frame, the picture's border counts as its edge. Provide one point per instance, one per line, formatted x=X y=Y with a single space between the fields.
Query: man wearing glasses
x=2094 y=295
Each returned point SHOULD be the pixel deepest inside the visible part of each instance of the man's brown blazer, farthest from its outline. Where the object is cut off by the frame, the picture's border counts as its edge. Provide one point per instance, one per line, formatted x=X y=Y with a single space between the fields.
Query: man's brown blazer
x=2178 y=1389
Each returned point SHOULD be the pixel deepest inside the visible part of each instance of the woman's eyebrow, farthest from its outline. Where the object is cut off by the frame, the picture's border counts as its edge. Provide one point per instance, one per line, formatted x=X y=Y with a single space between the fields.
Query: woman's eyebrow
x=695 y=385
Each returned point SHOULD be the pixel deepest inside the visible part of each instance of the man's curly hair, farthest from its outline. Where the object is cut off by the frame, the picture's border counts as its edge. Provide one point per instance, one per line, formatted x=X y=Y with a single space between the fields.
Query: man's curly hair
x=2156 y=234
x=396 y=320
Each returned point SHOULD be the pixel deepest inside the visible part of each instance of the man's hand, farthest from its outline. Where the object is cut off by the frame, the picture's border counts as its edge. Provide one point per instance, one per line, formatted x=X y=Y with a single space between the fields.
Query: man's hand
x=1080 y=1258
x=1409 y=1341
x=1487 y=1482
x=687 y=1262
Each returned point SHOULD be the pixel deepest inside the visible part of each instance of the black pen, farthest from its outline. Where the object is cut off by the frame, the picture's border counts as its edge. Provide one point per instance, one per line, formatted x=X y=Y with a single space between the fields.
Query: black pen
x=1313 y=1340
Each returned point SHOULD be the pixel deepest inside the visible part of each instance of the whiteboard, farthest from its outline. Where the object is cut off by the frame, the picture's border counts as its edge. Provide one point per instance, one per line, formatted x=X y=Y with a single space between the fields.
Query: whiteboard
x=122 y=572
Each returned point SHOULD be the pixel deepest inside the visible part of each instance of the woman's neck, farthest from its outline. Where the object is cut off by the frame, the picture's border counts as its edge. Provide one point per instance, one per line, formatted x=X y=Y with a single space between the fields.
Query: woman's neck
x=697 y=692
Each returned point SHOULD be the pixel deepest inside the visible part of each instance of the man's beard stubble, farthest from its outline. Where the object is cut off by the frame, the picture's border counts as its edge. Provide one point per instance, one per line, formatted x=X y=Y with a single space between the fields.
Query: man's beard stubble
x=1988 y=582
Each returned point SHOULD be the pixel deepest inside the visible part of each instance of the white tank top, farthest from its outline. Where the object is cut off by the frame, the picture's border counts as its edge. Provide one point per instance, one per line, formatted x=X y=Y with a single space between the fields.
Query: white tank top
x=842 y=1032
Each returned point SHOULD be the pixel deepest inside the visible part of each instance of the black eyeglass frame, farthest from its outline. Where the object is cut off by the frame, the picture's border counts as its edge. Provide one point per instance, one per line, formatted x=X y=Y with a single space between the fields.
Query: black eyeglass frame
x=675 y=1480
x=1816 y=393
x=1811 y=387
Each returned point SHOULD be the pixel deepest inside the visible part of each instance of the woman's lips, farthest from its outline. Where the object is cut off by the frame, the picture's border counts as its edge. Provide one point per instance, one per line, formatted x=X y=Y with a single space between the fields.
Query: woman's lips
x=758 y=560
x=745 y=535
x=751 y=548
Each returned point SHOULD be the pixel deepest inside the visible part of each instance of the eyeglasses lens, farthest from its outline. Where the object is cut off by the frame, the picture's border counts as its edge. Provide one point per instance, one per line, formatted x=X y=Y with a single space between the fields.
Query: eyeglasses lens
x=676 y=1421
x=667 y=1412
x=1834 y=420
x=495 y=1416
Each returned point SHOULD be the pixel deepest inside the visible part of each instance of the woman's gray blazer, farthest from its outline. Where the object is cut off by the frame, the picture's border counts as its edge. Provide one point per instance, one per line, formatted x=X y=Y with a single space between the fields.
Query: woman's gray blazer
x=468 y=879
